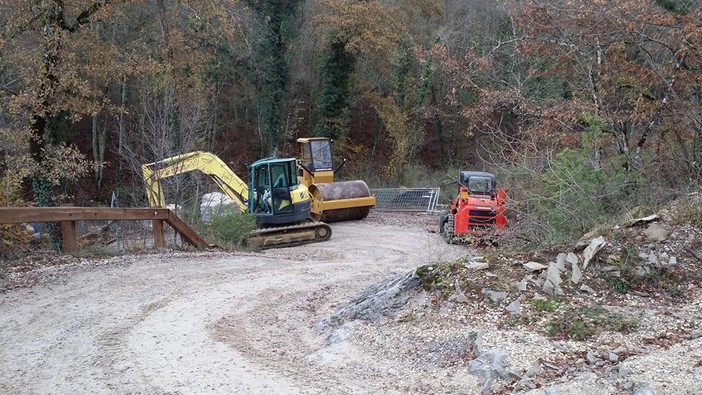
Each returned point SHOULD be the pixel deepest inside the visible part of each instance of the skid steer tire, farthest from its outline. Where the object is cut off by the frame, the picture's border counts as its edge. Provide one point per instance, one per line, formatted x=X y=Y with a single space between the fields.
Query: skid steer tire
x=448 y=228
x=442 y=221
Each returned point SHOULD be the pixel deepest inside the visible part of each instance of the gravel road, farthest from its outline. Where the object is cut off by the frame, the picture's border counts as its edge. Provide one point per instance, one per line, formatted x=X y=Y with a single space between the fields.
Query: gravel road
x=258 y=323
x=210 y=322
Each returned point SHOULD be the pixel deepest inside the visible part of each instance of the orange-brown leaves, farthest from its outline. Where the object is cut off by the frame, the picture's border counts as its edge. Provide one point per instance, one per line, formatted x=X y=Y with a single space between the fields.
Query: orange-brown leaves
x=365 y=26
x=630 y=62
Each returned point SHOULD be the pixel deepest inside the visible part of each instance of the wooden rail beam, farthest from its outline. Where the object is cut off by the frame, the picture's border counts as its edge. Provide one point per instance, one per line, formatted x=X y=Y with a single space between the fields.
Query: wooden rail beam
x=69 y=215
x=18 y=215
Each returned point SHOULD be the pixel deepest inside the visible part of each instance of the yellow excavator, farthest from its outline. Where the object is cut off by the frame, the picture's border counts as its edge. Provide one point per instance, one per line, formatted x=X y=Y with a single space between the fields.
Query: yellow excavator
x=274 y=195
x=331 y=201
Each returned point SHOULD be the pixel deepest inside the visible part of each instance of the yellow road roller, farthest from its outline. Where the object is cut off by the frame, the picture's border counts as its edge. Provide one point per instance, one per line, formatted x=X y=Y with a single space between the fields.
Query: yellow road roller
x=331 y=201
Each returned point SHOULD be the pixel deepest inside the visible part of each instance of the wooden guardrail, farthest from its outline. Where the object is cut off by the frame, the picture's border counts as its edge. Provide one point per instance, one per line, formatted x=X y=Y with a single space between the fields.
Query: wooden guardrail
x=68 y=216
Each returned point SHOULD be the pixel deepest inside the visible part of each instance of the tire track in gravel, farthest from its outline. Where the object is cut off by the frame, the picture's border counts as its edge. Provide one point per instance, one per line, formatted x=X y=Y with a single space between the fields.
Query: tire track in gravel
x=211 y=322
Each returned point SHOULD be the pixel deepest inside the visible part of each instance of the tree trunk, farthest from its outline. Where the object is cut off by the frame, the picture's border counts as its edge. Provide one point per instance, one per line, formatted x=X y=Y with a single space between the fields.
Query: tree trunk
x=439 y=127
x=121 y=139
x=99 y=137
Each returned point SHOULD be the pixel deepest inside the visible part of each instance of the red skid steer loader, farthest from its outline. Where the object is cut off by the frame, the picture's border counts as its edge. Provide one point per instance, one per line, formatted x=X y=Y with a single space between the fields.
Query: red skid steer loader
x=477 y=212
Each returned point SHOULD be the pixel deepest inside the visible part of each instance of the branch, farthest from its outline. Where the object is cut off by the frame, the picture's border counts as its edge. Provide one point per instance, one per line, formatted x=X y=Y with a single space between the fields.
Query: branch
x=83 y=17
x=699 y=258
x=501 y=43
x=655 y=40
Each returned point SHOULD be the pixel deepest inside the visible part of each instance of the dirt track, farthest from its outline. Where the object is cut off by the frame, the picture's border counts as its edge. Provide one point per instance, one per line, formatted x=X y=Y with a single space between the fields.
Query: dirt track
x=215 y=323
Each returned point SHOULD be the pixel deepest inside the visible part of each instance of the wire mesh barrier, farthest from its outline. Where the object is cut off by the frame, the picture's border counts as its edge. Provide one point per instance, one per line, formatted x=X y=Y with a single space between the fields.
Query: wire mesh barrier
x=406 y=199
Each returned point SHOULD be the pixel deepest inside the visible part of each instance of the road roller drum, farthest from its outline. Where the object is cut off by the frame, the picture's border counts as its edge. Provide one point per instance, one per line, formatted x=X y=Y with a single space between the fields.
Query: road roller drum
x=341 y=201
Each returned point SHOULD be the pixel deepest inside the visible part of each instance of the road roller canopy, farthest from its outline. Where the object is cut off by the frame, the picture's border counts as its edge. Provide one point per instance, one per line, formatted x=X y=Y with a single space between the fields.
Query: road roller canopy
x=316 y=153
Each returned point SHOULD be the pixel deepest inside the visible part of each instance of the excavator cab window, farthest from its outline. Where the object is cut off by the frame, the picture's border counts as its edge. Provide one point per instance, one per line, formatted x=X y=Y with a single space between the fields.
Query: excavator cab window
x=262 y=190
x=272 y=183
x=282 y=174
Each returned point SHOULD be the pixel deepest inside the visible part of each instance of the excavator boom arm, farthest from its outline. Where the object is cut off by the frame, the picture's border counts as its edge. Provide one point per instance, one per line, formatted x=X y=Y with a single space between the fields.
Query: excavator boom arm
x=205 y=162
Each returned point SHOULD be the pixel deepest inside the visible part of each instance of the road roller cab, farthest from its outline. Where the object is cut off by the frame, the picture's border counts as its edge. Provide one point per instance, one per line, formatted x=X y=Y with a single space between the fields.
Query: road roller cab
x=331 y=201
x=315 y=163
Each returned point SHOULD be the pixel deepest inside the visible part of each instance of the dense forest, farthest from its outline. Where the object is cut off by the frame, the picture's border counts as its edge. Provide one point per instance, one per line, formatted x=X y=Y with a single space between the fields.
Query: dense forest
x=584 y=109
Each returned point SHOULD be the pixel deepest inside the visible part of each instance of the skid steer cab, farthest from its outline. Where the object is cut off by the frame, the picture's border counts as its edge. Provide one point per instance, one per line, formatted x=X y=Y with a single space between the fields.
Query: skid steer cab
x=477 y=214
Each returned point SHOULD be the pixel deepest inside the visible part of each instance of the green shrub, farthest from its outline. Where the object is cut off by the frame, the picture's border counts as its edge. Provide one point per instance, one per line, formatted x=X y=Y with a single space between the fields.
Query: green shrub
x=228 y=229
x=618 y=285
x=573 y=325
x=583 y=323
x=561 y=194
x=621 y=324
x=545 y=304
x=580 y=330
x=576 y=197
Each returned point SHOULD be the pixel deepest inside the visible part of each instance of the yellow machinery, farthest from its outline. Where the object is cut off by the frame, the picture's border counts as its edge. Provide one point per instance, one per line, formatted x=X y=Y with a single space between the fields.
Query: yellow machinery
x=331 y=201
x=280 y=204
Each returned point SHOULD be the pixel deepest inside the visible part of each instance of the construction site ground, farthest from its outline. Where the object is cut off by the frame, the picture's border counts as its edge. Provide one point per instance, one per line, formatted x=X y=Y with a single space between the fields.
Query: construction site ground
x=341 y=317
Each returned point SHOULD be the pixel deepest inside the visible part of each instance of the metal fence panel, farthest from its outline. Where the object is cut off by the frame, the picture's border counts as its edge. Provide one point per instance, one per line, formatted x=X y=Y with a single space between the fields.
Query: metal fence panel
x=406 y=199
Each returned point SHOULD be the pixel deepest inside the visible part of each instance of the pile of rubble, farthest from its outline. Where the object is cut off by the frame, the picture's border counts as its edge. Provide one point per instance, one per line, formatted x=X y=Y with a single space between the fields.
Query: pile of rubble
x=550 y=318
x=641 y=250
x=594 y=291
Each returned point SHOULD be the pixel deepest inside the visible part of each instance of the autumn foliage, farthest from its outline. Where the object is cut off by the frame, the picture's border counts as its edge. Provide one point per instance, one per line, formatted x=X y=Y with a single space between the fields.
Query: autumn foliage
x=585 y=109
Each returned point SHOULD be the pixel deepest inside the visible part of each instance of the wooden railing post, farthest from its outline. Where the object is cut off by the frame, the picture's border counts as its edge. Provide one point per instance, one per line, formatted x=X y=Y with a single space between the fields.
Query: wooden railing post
x=159 y=238
x=70 y=242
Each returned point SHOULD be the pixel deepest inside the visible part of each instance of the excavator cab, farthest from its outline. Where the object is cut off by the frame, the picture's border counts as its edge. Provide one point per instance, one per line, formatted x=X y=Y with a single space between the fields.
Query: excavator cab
x=275 y=195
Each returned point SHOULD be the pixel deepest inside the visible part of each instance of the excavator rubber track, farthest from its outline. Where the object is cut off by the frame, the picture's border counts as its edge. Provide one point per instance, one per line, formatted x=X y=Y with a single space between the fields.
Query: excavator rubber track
x=289 y=236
